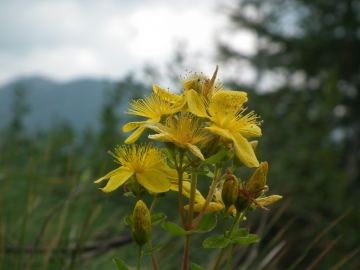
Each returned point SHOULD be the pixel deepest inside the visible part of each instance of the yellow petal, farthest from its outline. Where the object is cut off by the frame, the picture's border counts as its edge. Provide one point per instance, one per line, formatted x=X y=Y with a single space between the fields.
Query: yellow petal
x=254 y=144
x=132 y=125
x=268 y=200
x=228 y=96
x=157 y=127
x=219 y=131
x=179 y=105
x=196 y=104
x=162 y=137
x=250 y=131
x=213 y=207
x=109 y=175
x=170 y=173
x=136 y=135
x=153 y=180
x=117 y=179
x=244 y=151
x=186 y=191
x=195 y=150
x=164 y=93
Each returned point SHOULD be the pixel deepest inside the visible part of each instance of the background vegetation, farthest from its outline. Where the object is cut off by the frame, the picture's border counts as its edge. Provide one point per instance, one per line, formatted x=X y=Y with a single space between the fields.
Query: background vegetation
x=307 y=57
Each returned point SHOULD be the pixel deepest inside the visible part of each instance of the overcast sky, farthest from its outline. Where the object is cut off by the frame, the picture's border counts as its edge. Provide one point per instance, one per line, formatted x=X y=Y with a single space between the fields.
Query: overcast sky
x=68 y=39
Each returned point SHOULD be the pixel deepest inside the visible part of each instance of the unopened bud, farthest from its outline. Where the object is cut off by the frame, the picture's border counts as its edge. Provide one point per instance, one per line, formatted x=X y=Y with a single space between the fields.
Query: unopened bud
x=242 y=203
x=230 y=190
x=141 y=223
x=258 y=179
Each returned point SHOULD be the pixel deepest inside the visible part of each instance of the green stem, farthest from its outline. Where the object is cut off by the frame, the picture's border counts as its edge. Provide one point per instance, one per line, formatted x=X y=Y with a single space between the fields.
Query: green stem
x=154 y=203
x=230 y=256
x=192 y=200
x=139 y=257
x=153 y=259
x=224 y=226
x=180 y=177
x=239 y=216
x=219 y=258
x=190 y=218
x=186 y=256
x=209 y=196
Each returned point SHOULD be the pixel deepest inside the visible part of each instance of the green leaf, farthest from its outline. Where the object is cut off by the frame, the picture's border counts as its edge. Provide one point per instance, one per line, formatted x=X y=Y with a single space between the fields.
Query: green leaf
x=153 y=250
x=174 y=229
x=128 y=220
x=210 y=173
x=170 y=163
x=218 y=241
x=252 y=238
x=197 y=171
x=207 y=223
x=157 y=218
x=215 y=158
x=240 y=233
x=129 y=194
x=196 y=267
x=166 y=152
x=120 y=264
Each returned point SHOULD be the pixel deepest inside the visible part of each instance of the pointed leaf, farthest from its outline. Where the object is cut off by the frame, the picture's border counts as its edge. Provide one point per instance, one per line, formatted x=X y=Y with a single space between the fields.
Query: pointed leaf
x=157 y=218
x=153 y=250
x=129 y=194
x=166 y=152
x=218 y=241
x=170 y=163
x=206 y=224
x=240 y=233
x=210 y=173
x=196 y=267
x=120 y=264
x=128 y=220
x=252 y=238
x=174 y=229
x=215 y=158
x=197 y=171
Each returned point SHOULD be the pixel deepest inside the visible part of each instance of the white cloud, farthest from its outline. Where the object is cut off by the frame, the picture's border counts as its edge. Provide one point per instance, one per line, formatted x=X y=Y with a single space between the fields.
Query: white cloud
x=68 y=39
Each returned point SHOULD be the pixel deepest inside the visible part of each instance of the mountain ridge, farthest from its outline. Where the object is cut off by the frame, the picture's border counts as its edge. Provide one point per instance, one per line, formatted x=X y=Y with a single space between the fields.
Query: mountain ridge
x=78 y=101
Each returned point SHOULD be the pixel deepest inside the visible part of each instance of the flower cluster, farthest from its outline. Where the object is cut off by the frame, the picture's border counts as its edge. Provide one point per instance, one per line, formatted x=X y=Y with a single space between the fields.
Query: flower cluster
x=203 y=126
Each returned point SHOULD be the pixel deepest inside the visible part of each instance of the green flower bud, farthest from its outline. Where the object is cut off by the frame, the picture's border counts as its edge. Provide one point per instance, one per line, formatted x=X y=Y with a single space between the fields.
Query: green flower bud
x=141 y=223
x=242 y=203
x=230 y=191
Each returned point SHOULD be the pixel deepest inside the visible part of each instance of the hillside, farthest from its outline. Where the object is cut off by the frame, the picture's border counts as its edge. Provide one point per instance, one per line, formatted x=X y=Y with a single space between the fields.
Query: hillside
x=78 y=102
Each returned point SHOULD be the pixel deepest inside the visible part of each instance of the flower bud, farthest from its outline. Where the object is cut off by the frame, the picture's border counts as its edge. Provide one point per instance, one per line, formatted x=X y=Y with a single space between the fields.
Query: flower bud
x=230 y=190
x=141 y=223
x=258 y=179
x=242 y=203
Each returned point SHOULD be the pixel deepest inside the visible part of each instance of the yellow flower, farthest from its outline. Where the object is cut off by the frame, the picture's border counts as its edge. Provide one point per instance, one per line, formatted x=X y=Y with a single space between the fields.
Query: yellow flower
x=144 y=162
x=232 y=124
x=152 y=107
x=183 y=131
x=186 y=190
x=214 y=206
x=199 y=89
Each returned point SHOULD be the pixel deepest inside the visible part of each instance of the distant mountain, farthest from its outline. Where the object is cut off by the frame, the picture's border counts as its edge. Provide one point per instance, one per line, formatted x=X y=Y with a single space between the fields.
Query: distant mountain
x=78 y=102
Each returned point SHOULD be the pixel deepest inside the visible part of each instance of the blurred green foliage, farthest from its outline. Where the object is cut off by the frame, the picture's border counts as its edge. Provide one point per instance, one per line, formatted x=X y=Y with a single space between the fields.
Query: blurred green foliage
x=311 y=131
x=53 y=217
